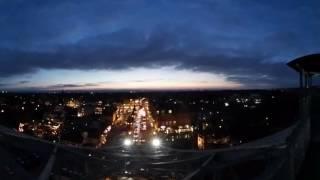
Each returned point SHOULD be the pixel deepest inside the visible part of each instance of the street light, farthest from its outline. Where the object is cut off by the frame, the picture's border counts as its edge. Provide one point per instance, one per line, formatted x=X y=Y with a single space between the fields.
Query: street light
x=156 y=142
x=127 y=142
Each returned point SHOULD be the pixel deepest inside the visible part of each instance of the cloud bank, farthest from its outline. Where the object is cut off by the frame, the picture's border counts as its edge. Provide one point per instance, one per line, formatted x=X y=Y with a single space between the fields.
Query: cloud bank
x=248 y=42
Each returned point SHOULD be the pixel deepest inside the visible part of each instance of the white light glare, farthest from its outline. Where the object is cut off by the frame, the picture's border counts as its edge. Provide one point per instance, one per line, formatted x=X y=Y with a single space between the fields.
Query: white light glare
x=156 y=142
x=127 y=142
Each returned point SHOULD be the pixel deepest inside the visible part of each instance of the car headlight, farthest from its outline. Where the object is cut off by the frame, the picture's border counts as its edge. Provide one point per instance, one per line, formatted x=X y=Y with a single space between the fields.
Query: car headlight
x=156 y=142
x=127 y=142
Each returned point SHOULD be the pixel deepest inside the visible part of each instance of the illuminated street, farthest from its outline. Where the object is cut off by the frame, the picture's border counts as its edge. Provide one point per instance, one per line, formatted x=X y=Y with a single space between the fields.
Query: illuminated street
x=136 y=117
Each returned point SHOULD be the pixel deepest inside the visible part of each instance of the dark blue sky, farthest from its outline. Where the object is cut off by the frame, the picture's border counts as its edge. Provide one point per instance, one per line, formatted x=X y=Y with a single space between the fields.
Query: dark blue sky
x=133 y=44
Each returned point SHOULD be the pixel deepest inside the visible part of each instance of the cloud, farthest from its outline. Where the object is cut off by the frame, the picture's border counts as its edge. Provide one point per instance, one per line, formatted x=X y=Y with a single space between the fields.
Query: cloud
x=71 y=86
x=249 y=66
x=23 y=82
x=3 y=85
x=243 y=41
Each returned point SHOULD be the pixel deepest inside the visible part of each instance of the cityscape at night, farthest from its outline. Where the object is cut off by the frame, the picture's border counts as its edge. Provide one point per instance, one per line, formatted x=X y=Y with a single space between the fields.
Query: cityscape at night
x=165 y=89
x=91 y=124
x=180 y=119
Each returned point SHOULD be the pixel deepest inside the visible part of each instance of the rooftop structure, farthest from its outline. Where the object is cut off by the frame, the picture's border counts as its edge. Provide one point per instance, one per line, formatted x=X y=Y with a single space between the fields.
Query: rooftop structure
x=307 y=66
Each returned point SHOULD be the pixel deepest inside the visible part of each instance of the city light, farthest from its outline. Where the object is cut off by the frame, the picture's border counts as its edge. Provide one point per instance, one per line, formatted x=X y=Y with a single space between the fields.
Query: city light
x=127 y=142
x=156 y=142
x=20 y=128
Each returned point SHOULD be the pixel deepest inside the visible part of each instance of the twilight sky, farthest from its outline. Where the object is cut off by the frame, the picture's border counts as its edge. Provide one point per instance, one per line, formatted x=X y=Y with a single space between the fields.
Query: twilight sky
x=154 y=44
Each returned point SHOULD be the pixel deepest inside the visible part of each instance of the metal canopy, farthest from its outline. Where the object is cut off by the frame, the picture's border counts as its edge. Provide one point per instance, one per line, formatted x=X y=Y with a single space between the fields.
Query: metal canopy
x=308 y=64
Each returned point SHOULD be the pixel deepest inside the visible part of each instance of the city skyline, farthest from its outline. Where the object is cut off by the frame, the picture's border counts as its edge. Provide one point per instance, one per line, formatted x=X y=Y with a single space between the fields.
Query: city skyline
x=96 y=45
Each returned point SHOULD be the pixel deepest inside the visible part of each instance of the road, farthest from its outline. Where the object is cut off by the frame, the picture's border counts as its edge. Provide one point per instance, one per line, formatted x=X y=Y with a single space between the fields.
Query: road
x=136 y=116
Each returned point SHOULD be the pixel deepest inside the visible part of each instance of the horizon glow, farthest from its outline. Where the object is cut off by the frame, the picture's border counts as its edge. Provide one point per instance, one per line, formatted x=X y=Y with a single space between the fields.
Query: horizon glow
x=134 y=78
